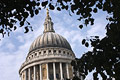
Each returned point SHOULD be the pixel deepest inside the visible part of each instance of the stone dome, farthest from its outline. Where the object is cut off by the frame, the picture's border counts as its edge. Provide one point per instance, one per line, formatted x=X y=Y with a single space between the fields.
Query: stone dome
x=50 y=39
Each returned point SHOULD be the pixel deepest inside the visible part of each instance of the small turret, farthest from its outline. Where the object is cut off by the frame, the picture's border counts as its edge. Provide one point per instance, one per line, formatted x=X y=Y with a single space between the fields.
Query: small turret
x=48 y=24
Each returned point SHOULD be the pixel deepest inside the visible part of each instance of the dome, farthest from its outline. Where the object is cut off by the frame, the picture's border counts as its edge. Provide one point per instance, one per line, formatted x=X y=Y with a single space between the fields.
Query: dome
x=50 y=39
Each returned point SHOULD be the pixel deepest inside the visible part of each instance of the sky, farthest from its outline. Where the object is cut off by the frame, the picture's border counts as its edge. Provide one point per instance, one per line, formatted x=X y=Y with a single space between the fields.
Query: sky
x=14 y=49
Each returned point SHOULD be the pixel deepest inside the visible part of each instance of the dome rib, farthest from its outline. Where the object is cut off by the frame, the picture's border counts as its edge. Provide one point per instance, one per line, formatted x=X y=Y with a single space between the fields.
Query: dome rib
x=54 y=39
x=57 y=40
x=41 y=40
x=62 y=42
x=45 y=39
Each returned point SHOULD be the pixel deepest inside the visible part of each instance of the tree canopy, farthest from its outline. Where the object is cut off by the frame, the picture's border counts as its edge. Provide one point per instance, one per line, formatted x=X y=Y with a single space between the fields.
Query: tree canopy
x=105 y=56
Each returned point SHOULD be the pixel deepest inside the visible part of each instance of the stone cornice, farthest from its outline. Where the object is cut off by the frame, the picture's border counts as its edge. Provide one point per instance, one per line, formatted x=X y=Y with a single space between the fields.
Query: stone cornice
x=48 y=54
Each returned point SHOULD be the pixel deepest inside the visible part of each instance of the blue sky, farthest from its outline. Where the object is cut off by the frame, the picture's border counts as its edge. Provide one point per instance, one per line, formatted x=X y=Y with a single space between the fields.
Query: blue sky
x=14 y=49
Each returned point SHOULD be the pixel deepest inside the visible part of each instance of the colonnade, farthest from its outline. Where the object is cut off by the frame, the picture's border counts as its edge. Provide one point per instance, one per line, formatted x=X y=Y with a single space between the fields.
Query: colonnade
x=36 y=72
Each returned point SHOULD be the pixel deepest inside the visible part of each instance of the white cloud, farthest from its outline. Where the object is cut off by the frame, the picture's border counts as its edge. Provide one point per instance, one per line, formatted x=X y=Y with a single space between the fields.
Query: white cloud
x=98 y=29
x=20 y=39
x=9 y=65
x=10 y=46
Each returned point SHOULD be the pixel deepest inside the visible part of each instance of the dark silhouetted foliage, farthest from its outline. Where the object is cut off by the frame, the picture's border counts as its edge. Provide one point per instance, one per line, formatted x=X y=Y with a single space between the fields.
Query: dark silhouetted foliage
x=104 y=59
x=13 y=11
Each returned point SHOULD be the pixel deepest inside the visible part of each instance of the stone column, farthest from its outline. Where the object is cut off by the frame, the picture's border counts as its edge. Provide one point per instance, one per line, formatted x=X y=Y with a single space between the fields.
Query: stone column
x=29 y=74
x=54 y=71
x=34 y=72
x=40 y=68
x=25 y=74
x=61 y=71
x=68 y=76
x=47 y=71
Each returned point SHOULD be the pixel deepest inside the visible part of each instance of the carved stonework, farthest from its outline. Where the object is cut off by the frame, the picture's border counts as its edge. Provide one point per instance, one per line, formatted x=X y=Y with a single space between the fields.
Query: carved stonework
x=44 y=71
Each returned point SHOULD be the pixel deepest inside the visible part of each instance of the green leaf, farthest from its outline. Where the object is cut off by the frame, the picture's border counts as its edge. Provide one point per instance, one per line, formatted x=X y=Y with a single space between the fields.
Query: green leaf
x=78 y=12
x=25 y=14
x=83 y=41
x=36 y=11
x=38 y=4
x=1 y=30
x=15 y=27
x=95 y=10
x=80 y=26
x=92 y=21
x=86 y=21
x=44 y=3
x=58 y=8
x=51 y=6
x=26 y=29
x=99 y=6
x=21 y=23
x=86 y=44
x=28 y=23
x=96 y=36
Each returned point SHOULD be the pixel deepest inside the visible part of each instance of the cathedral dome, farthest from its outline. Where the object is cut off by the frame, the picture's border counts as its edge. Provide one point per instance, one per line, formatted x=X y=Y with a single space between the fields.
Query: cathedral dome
x=50 y=39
